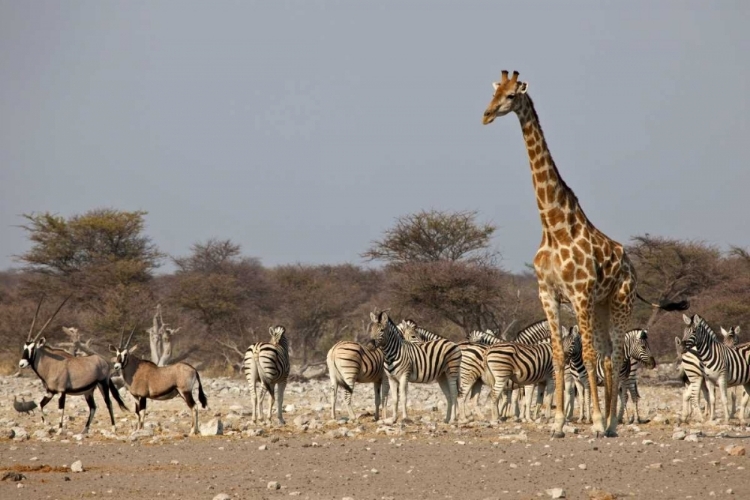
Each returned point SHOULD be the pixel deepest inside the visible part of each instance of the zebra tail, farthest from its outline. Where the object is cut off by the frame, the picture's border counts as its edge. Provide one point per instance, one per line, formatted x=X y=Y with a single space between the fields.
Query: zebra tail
x=666 y=305
x=337 y=377
x=201 y=395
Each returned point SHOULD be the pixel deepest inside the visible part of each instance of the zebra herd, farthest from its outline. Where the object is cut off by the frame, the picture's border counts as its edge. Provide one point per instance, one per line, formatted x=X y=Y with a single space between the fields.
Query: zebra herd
x=399 y=354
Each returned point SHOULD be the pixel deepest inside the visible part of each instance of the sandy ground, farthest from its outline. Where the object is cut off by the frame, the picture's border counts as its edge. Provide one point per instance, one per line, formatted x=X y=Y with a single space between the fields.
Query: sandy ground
x=315 y=457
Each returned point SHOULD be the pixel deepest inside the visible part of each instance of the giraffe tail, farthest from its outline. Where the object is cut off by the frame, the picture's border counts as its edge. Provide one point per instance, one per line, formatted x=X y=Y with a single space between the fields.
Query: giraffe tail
x=666 y=305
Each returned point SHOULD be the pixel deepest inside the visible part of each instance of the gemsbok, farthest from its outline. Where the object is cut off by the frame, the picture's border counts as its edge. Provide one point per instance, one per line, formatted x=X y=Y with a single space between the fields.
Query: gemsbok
x=62 y=373
x=144 y=380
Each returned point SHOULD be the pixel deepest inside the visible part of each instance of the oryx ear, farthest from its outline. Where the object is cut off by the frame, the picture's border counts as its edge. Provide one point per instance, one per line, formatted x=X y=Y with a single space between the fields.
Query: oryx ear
x=687 y=319
x=112 y=348
x=41 y=342
x=132 y=349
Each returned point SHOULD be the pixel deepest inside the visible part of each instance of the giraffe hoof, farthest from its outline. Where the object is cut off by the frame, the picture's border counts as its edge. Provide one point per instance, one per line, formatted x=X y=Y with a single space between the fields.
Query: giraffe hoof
x=558 y=434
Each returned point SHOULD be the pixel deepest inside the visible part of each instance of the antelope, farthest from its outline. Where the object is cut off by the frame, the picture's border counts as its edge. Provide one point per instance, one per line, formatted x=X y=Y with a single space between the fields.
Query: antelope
x=144 y=380
x=62 y=373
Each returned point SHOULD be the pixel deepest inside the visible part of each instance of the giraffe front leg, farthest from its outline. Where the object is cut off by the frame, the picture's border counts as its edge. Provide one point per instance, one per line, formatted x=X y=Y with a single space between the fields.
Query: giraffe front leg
x=551 y=306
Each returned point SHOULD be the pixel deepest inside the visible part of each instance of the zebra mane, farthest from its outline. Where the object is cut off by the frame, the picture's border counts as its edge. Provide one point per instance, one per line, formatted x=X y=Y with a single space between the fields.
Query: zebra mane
x=534 y=333
x=637 y=332
x=484 y=338
x=422 y=334
x=699 y=328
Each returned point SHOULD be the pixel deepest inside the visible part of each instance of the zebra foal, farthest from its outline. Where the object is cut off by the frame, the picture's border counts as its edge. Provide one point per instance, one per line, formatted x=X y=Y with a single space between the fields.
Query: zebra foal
x=268 y=363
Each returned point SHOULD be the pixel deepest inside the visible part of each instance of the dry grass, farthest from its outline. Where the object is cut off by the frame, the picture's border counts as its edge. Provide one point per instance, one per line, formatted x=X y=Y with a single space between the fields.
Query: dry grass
x=8 y=363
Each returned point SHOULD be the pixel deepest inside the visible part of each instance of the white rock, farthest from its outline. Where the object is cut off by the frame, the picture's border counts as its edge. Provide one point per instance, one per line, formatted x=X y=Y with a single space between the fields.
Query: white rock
x=647 y=442
x=679 y=435
x=222 y=496
x=263 y=447
x=289 y=408
x=582 y=466
x=76 y=466
x=19 y=433
x=213 y=427
x=556 y=493
x=273 y=485
x=692 y=438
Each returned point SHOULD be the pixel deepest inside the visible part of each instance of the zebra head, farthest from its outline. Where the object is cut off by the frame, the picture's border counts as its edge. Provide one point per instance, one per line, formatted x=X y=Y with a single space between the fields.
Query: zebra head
x=379 y=321
x=731 y=337
x=571 y=343
x=408 y=329
x=697 y=333
x=640 y=350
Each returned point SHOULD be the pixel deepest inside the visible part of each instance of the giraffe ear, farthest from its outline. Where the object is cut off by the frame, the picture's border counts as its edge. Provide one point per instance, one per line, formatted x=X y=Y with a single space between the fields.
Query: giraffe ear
x=686 y=319
x=522 y=88
x=495 y=85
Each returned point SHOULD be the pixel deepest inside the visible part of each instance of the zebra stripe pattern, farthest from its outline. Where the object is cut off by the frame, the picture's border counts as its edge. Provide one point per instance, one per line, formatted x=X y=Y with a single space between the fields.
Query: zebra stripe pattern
x=268 y=363
x=439 y=360
x=522 y=364
x=349 y=362
x=722 y=365
x=695 y=382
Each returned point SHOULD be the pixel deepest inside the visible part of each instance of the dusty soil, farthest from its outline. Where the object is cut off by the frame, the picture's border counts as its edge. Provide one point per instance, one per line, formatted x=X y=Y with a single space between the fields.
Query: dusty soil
x=315 y=457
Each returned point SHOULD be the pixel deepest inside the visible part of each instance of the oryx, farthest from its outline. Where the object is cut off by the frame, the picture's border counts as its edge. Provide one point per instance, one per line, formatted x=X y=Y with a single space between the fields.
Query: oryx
x=63 y=374
x=145 y=380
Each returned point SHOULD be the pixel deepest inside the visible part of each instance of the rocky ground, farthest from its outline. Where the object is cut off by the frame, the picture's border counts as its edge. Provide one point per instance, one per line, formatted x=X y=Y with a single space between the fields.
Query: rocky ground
x=313 y=456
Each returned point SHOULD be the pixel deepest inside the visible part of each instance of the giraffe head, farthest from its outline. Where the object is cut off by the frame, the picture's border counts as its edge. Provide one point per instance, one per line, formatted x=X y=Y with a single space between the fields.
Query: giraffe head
x=505 y=99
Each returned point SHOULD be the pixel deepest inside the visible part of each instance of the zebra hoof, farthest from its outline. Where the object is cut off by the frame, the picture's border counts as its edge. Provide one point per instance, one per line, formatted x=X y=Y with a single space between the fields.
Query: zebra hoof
x=558 y=434
x=610 y=433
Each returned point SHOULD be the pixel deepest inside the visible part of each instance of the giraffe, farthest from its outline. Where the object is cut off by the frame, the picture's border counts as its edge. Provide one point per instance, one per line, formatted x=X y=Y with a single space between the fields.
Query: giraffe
x=575 y=263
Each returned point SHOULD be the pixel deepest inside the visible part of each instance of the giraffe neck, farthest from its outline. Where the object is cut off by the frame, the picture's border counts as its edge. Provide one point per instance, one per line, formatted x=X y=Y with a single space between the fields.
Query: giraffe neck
x=556 y=201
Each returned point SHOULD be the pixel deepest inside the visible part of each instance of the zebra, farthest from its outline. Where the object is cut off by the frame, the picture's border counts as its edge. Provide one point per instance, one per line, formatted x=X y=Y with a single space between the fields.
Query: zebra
x=693 y=372
x=722 y=365
x=523 y=364
x=636 y=350
x=349 y=362
x=268 y=363
x=472 y=359
x=439 y=360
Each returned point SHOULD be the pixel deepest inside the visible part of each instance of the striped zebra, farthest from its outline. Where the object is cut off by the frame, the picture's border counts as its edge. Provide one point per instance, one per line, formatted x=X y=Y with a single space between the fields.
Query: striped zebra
x=722 y=365
x=268 y=363
x=439 y=360
x=349 y=362
x=534 y=333
x=692 y=372
x=472 y=360
x=522 y=364
x=636 y=350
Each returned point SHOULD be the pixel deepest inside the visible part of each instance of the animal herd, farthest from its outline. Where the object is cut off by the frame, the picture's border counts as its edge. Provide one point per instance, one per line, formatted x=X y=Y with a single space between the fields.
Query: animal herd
x=576 y=264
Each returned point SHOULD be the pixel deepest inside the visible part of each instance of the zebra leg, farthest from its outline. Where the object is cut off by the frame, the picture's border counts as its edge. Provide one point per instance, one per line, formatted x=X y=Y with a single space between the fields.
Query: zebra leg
x=709 y=395
x=334 y=390
x=272 y=396
x=722 y=383
x=396 y=396
x=743 y=404
x=385 y=388
x=280 y=387
x=444 y=384
x=695 y=389
x=348 y=393
x=403 y=387
x=476 y=391
x=570 y=390
x=377 y=387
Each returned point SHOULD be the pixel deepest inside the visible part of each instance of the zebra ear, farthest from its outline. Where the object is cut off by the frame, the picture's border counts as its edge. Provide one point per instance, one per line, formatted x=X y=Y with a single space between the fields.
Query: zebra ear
x=644 y=335
x=737 y=330
x=373 y=317
x=270 y=330
x=687 y=319
x=723 y=331
x=383 y=317
x=565 y=331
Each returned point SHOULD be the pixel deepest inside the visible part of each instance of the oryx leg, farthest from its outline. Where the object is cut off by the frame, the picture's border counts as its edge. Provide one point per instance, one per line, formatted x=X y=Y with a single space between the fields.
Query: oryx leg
x=188 y=397
x=92 y=411
x=61 y=407
x=46 y=399
x=140 y=410
x=104 y=389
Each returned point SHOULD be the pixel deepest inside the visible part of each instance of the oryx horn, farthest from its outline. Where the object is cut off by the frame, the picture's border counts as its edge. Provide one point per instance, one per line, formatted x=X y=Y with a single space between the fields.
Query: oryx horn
x=33 y=321
x=51 y=318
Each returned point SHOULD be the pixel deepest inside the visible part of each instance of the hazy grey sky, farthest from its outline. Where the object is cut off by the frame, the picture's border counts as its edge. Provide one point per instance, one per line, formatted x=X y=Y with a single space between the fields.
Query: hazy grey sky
x=302 y=129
